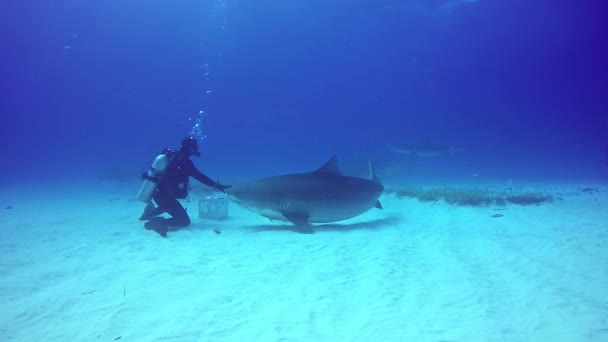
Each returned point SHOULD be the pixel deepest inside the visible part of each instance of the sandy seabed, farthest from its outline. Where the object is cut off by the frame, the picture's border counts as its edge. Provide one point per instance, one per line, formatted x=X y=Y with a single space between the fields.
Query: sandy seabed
x=79 y=266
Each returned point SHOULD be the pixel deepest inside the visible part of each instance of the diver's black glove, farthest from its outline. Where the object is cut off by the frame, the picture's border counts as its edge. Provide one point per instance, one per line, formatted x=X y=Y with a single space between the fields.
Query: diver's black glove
x=221 y=187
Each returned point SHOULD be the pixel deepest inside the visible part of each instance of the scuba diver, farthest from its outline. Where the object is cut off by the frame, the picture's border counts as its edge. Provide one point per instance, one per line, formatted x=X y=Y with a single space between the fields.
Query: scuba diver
x=166 y=182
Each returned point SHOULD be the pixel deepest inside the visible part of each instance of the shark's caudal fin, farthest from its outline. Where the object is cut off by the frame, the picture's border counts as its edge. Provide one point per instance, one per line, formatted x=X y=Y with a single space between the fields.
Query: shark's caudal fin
x=372 y=169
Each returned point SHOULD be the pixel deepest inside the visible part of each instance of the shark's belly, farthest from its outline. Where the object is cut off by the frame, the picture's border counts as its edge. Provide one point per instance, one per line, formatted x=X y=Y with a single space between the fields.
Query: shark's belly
x=322 y=216
x=324 y=212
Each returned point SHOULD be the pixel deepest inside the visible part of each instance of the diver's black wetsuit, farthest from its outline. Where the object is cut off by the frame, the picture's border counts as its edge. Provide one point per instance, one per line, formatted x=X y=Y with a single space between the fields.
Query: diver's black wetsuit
x=173 y=184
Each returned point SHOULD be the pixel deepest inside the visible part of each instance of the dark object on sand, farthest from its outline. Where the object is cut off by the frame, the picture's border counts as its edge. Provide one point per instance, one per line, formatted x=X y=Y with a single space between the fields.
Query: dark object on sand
x=474 y=196
x=500 y=201
x=529 y=198
x=468 y=197
x=497 y=215
x=8 y=207
x=217 y=231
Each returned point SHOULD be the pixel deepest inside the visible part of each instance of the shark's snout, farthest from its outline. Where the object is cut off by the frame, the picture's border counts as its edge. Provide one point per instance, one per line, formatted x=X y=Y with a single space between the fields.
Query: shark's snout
x=233 y=195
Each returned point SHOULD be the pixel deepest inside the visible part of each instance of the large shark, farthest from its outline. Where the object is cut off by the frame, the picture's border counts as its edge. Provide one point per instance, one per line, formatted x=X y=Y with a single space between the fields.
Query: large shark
x=321 y=196
x=425 y=150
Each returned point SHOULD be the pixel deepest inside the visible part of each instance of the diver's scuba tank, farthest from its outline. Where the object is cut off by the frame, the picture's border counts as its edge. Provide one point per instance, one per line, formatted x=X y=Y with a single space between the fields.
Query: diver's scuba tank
x=152 y=178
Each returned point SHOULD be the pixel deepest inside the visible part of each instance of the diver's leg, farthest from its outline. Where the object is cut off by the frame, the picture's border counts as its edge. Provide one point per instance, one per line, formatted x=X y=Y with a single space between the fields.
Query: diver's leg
x=151 y=211
x=179 y=215
x=158 y=224
x=161 y=198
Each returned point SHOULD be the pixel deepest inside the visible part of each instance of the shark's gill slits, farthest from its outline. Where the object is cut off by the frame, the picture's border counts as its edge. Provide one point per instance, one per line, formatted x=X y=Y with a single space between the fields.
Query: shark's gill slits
x=282 y=206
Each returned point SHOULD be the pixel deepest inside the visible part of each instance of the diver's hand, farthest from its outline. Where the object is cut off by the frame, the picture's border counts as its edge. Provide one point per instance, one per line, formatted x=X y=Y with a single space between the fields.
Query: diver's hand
x=221 y=187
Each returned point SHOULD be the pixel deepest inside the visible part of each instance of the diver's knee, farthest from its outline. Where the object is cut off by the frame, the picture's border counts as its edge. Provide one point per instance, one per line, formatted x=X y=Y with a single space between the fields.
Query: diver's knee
x=181 y=222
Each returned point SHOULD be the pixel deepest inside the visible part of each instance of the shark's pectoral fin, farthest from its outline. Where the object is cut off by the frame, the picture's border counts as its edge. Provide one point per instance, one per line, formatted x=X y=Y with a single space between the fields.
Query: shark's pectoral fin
x=305 y=230
x=298 y=219
x=269 y=218
x=378 y=205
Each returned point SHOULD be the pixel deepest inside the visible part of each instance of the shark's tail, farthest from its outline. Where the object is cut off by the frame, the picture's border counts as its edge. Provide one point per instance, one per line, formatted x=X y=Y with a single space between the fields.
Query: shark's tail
x=370 y=163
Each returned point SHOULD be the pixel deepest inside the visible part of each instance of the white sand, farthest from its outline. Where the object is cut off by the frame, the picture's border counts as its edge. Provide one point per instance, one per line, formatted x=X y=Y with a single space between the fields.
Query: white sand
x=80 y=267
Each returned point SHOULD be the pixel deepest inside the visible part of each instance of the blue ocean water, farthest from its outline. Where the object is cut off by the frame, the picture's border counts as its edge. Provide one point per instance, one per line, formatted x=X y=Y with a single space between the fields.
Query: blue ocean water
x=94 y=88
x=91 y=91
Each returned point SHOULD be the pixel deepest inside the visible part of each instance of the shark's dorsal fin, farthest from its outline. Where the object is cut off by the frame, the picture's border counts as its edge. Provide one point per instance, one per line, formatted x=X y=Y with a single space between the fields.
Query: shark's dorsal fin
x=330 y=168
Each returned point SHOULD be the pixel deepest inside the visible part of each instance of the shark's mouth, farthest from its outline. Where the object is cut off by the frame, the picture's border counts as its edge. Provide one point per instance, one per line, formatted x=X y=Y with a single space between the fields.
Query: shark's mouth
x=238 y=202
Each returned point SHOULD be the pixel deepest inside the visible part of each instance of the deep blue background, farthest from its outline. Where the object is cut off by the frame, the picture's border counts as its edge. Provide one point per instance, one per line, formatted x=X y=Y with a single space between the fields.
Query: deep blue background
x=89 y=87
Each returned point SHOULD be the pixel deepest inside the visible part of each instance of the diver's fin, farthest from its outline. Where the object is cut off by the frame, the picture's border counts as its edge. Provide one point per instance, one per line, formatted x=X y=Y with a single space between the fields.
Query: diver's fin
x=159 y=225
x=148 y=212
